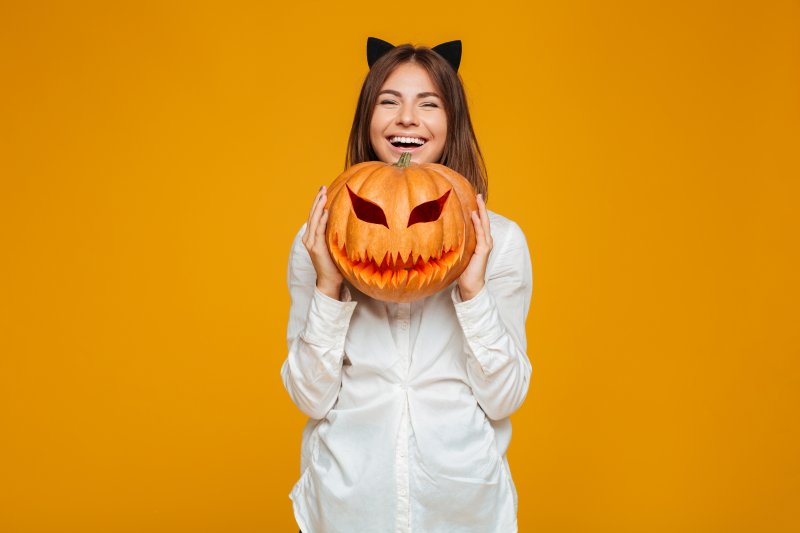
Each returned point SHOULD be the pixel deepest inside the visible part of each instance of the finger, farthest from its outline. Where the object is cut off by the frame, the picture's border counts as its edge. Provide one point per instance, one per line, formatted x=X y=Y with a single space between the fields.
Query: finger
x=316 y=201
x=322 y=225
x=313 y=222
x=309 y=223
x=484 y=214
x=476 y=221
x=487 y=230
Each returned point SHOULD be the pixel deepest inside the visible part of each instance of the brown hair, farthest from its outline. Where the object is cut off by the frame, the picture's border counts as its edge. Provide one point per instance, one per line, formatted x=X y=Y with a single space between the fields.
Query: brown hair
x=461 y=151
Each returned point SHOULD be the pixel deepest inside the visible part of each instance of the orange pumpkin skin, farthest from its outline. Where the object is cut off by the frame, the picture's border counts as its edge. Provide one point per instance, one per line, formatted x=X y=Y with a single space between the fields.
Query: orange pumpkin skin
x=424 y=240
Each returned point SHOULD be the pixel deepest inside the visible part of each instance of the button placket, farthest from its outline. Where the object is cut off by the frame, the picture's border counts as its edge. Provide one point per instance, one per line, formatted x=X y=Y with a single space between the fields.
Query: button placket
x=403 y=314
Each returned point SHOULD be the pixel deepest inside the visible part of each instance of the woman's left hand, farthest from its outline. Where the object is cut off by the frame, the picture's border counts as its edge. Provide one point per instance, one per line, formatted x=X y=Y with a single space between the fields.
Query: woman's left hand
x=471 y=280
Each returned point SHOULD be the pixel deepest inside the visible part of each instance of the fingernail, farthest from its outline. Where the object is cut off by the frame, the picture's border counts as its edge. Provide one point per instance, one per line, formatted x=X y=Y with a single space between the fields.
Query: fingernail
x=321 y=187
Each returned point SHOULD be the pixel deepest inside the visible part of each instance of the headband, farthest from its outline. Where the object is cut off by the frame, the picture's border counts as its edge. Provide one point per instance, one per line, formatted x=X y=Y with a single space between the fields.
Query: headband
x=450 y=50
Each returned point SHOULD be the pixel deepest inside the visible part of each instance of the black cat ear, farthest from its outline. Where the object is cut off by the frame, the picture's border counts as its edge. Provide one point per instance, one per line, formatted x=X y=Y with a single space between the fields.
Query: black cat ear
x=451 y=51
x=376 y=48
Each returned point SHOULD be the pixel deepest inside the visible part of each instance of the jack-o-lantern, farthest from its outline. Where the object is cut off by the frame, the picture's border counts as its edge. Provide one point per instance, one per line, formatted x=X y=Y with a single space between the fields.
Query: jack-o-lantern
x=400 y=232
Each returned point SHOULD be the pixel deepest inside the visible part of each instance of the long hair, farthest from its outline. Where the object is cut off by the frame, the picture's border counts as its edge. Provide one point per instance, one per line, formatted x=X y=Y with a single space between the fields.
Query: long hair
x=461 y=151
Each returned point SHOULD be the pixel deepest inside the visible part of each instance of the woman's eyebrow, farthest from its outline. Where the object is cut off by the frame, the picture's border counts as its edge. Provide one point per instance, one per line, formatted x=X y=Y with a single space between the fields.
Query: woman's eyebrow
x=419 y=95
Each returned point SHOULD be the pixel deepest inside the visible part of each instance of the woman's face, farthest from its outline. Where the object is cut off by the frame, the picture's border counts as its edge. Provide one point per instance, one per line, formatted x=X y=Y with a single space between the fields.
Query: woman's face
x=409 y=116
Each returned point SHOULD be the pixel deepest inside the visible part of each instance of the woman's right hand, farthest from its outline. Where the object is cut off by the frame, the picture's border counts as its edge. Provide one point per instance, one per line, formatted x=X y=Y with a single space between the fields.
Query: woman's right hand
x=329 y=279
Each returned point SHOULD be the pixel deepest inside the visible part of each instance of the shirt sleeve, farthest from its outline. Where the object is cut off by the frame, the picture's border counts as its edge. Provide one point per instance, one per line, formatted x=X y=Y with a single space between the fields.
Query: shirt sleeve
x=493 y=322
x=312 y=371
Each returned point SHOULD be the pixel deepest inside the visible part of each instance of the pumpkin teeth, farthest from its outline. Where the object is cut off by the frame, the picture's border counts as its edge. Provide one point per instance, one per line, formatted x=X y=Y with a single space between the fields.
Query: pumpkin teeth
x=346 y=265
x=384 y=279
x=405 y=262
x=441 y=271
x=415 y=272
x=427 y=270
x=367 y=272
x=402 y=275
x=435 y=272
x=384 y=264
x=449 y=258
x=413 y=278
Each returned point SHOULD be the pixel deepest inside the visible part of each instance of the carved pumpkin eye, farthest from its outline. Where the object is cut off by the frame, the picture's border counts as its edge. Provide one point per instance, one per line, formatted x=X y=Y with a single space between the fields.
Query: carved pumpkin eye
x=366 y=210
x=428 y=211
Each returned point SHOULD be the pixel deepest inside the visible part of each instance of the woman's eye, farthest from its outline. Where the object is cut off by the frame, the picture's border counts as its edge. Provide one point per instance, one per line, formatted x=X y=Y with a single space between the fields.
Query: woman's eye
x=388 y=102
x=429 y=104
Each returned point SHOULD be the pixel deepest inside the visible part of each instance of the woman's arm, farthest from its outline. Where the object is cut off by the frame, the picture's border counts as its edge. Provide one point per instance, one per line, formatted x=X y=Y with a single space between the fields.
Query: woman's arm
x=493 y=321
x=318 y=323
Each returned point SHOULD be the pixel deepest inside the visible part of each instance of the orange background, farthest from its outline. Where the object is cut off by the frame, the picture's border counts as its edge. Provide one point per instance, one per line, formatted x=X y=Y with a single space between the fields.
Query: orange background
x=156 y=159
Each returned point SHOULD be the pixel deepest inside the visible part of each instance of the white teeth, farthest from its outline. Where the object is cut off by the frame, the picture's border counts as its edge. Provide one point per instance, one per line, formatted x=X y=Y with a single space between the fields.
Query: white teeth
x=414 y=140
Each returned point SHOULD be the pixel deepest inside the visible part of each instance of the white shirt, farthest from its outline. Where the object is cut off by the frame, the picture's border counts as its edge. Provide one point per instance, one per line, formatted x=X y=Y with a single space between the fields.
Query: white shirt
x=409 y=403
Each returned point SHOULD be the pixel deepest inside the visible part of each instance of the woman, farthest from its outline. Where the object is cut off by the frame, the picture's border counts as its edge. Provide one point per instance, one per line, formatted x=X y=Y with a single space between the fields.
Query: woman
x=409 y=403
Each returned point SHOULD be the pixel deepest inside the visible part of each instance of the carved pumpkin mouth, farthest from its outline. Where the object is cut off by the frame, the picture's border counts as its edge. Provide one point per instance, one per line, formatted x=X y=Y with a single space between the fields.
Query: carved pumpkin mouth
x=393 y=271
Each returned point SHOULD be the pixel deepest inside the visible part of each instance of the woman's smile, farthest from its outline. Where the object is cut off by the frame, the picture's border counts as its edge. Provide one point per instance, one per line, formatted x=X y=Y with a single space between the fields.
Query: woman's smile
x=406 y=143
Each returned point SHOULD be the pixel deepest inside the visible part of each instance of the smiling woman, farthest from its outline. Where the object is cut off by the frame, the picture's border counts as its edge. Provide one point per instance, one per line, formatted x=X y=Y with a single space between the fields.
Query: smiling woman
x=406 y=332
x=413 y=101
x=409 y=117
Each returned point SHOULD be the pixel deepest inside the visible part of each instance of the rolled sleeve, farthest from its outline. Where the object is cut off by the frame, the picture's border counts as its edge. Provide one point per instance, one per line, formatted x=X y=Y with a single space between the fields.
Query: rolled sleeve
x=316 y=333
x=493 y=323
x=328 y=320
x=483 y=328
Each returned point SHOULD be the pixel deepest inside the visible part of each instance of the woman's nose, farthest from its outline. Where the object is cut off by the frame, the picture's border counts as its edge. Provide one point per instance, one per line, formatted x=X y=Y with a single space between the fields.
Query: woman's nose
x=407 y=115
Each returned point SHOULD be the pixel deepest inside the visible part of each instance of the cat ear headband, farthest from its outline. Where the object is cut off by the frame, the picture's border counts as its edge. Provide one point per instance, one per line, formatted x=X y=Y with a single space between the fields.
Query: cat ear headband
x=451 y=51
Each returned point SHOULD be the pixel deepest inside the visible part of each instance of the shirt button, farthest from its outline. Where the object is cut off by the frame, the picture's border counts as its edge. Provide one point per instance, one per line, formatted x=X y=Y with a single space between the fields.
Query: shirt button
x=404 y=325
x=402 y=492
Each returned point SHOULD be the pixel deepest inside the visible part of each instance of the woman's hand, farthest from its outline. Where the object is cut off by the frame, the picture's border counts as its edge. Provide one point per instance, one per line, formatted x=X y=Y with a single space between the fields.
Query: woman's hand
x=471 y=280
x=329 y=279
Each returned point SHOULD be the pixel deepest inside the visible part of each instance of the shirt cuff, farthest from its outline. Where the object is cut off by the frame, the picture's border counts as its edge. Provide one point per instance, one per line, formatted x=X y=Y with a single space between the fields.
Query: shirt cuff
x=328 y=318
x=456 y=294
x=473 y=312
x=480 y=319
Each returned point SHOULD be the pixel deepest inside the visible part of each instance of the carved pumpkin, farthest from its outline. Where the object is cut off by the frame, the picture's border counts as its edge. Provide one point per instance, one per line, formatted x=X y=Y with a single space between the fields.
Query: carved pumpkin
x=400 y=232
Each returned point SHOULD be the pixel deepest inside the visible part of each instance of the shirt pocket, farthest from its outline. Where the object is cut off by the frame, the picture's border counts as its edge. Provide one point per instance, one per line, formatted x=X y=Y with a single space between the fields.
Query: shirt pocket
x=455 y=441
x=476 y=499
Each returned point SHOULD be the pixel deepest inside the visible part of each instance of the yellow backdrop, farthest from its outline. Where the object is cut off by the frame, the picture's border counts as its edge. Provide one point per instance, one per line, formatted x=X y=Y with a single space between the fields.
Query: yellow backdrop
x=156 y=159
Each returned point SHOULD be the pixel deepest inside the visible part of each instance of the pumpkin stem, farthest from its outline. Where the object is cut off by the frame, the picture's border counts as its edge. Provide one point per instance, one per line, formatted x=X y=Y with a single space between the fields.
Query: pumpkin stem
x=404 y=161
